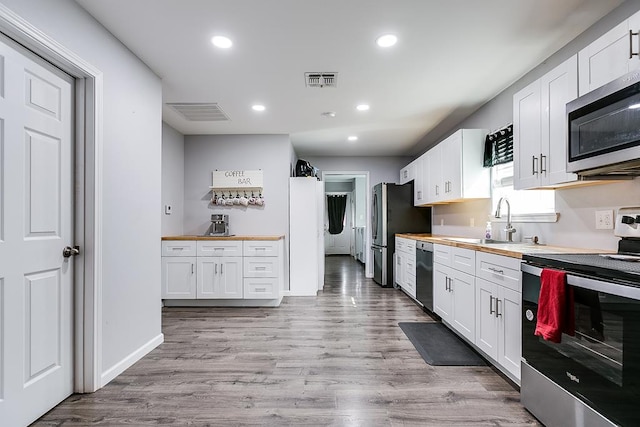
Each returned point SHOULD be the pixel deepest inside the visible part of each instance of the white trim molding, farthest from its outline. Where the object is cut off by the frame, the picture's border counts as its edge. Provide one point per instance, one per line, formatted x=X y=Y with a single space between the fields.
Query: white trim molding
x=132 y=358
x=88 y=211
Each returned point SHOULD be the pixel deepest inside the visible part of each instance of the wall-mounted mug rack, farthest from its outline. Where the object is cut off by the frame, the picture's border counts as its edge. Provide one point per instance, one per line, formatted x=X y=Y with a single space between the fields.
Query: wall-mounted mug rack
x=237 y=188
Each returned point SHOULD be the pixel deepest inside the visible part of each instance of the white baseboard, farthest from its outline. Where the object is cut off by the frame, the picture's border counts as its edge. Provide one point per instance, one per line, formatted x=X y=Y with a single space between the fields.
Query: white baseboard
x=128 y=361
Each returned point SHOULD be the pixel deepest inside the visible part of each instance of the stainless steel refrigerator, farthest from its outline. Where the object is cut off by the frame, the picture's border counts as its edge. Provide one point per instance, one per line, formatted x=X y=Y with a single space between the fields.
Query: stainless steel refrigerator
x=393 y=212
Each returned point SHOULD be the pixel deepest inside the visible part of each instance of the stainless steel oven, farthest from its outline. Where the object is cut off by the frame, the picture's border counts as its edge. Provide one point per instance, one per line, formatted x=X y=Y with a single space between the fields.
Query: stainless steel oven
x=593 y=377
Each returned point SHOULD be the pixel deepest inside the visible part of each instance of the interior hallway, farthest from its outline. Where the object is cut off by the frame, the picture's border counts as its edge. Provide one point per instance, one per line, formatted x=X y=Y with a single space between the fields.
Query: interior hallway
x=339 y=359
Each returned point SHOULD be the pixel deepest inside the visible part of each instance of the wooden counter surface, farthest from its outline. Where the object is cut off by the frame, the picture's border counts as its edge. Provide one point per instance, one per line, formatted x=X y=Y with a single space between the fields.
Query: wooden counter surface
x=222 y=237
x=513 y=250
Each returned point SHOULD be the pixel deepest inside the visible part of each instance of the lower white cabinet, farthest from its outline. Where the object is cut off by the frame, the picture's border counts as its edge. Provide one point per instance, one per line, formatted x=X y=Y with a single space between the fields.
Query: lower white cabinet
x=405 y=268
x=219 y=277
x=454 y=288
x=498 y=311
x=179 y=277
x=222 y=269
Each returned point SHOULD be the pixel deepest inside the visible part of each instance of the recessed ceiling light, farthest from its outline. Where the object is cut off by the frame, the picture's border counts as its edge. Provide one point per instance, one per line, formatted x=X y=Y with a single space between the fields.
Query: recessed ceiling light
x=387 y=40
x=222 y=42
x=329 y=114
x=362 y=107
x=352 y=138
x=258 y=107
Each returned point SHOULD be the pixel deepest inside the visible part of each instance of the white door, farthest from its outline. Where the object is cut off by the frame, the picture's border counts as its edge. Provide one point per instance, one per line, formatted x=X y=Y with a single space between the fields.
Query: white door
x=36 y=223
x=339 y=244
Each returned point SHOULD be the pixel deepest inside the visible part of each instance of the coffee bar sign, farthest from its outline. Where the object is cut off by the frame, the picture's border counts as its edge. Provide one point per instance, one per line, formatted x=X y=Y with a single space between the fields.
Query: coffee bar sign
x=237 y=179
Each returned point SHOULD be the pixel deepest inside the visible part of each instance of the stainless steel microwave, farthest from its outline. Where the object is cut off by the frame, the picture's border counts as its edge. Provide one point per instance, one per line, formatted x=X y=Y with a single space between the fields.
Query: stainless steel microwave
x=604 y=129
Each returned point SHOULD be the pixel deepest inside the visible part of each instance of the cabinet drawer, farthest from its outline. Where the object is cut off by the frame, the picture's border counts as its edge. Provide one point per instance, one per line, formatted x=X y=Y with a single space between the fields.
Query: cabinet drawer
x=178 y=248
x=401 y=244
x=261 y=267
x=261 y=288
x=261 y=248
x=219 y=248
x=464 y=260
x=442 y=254
x=499 y=269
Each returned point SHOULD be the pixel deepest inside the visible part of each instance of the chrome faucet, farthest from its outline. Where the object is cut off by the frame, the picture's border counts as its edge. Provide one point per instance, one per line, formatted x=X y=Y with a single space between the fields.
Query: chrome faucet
x=509 y=228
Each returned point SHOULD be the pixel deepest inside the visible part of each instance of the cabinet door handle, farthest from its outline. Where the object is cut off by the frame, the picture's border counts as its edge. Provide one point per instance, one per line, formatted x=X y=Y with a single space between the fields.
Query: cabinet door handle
x=491 y=310
x=191 y=268
x=495 y=270
x=437 y=190
x=497 y=308
x=534 y=162
x=419 y=194
x=543 y=163
x=631 y=52
x=216 y=271
x=221 y=268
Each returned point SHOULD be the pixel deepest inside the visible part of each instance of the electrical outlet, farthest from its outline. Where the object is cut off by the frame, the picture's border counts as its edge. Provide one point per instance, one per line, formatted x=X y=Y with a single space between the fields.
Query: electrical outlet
x=167 y=209
x=472 y=222
x=604 y=220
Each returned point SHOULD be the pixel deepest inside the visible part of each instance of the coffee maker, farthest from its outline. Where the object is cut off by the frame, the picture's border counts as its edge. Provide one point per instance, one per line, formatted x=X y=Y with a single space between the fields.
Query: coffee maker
x=219 y=225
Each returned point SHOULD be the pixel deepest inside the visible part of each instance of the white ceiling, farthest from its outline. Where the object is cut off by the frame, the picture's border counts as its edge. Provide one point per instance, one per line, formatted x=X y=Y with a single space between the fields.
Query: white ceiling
x=452 y=56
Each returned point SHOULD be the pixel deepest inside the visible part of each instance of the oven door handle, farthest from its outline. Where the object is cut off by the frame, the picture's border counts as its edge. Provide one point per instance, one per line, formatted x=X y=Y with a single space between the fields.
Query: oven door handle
x=627 y=291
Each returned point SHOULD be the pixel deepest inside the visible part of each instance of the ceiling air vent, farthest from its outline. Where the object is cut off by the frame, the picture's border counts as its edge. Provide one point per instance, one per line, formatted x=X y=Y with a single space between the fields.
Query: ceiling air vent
x=321 y=79
x=195 y=112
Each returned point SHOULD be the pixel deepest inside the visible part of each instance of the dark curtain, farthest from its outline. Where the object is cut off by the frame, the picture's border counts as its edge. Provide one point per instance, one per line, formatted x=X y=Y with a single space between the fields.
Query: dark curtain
x=498 y=147
x=336 y=206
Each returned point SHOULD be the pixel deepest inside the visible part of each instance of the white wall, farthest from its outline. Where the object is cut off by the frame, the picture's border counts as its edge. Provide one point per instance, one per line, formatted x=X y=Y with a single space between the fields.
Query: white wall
x=206 y=153
x=172 y=181
x=131 y=162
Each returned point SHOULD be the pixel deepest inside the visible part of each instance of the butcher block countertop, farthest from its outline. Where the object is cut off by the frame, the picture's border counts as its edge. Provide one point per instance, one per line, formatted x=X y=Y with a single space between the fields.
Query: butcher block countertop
x=513 y=250
x=222 y=237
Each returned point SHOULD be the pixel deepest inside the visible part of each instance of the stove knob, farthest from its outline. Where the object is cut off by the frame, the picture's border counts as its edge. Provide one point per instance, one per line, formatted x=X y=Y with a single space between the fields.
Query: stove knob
x=628 y=219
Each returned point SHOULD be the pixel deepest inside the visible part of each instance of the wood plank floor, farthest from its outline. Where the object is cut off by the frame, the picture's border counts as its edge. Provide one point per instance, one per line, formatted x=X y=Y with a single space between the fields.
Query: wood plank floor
x=336 y=360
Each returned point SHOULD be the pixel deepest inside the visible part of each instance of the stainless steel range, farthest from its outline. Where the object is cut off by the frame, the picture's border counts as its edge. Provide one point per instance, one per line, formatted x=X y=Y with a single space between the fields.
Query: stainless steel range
x=592 y=376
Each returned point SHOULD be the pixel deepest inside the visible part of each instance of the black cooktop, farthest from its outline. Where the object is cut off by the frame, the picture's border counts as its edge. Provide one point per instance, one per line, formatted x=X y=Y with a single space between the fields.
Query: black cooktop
x=590 y=265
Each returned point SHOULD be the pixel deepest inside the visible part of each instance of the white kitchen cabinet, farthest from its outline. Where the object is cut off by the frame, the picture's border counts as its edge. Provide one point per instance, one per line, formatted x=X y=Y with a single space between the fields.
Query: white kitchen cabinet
x=419 y=186
x=219 y=278
x=405 y=271
x=179 y=277
x=608 y=57
x=540 y=128
x=455 y=170
x=262 y=269
x=408 y=173
x=219 y=269
x=222 y=269
x=306 y=236
x=498 y=311
x=454 y=288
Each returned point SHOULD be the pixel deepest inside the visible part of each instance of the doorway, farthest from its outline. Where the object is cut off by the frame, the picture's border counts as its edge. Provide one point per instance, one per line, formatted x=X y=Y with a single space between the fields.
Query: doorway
x=356 y=185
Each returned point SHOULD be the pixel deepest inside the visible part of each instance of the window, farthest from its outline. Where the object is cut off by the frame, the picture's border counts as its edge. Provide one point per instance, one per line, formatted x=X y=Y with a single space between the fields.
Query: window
x=524 y=203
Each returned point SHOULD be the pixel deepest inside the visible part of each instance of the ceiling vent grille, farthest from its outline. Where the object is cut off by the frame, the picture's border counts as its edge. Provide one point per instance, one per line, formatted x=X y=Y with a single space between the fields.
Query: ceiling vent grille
x=321 y=79
x=195 y=112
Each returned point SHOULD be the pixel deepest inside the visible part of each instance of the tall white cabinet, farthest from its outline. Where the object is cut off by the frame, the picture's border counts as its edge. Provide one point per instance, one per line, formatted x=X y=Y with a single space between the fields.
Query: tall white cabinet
x=306 y=236
x=540 y=128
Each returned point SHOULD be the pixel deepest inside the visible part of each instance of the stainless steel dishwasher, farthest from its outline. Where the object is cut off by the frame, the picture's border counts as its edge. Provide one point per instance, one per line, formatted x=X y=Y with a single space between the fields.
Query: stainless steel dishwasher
x=424 y=274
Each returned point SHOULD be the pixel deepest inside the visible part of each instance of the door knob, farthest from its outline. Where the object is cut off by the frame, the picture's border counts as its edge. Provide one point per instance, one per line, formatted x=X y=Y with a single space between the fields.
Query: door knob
x=70 y=251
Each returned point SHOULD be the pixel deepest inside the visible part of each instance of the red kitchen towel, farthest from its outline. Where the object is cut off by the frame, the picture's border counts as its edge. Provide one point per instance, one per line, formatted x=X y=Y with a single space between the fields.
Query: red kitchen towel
x=555 y=306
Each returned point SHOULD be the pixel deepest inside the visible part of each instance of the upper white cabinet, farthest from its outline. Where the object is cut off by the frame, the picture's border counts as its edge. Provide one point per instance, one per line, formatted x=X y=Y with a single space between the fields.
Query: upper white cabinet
x=540 y=128
x=408 y=173
x=419 y=186
x=454 y=168
x=609 y=57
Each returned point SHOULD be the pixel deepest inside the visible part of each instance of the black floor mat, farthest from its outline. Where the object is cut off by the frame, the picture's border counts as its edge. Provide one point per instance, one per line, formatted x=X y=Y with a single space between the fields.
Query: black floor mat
x=439 y=346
